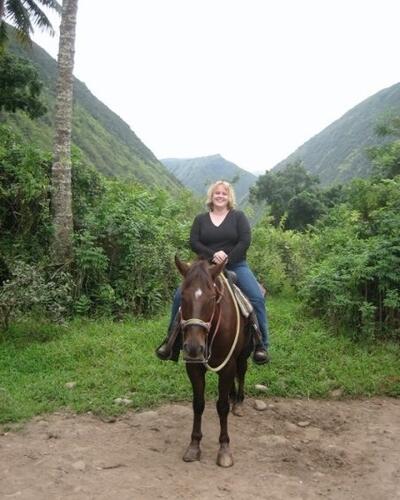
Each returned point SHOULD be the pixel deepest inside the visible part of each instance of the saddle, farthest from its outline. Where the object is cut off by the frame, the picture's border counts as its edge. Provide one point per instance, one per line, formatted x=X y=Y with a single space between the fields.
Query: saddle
x=243 y=302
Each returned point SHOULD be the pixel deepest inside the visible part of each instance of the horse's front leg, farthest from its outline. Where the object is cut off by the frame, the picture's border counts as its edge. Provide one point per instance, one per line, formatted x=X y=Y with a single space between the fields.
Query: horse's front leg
x=196 y=374
x=226 y=378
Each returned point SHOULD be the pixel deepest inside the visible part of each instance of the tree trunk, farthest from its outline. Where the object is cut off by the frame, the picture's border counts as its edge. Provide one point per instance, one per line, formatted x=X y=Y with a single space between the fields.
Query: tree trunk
x=61 y=169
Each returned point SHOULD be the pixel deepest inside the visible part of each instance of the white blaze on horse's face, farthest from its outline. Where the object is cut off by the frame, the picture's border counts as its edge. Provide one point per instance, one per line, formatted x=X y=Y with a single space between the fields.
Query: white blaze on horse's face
x=198 y=293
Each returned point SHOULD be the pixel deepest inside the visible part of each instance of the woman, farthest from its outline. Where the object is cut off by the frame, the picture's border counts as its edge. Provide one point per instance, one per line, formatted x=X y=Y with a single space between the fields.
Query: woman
x=223 y=234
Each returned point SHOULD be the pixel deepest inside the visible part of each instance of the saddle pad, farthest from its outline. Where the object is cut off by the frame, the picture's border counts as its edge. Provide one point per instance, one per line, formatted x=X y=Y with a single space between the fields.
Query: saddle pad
x=243 y=302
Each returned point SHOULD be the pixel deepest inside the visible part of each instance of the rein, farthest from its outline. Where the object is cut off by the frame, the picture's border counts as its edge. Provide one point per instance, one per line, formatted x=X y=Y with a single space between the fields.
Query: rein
x=218 y=368
x=207 y=326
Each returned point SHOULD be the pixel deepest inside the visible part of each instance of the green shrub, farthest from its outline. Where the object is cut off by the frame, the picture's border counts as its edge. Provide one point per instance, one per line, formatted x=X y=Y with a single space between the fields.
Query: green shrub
x=124 y=256
x=278 y=257
x=31 y=289
x=354 y=280
x=24 y=199
x=125 y=234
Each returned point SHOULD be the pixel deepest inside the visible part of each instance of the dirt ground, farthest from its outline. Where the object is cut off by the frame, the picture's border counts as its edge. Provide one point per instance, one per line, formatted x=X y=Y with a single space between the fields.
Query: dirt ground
x=294 y=449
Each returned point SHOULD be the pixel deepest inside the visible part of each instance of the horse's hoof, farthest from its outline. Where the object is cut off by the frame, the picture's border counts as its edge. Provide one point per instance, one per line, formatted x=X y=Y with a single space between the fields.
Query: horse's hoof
x=225 y=459
x=237 y=410
x=192 y=454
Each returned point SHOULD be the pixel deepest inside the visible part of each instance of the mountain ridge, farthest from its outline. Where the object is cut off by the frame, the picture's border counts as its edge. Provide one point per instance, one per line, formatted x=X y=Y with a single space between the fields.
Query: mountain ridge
x=337 y=153
x=199 y=172
x=106 y=141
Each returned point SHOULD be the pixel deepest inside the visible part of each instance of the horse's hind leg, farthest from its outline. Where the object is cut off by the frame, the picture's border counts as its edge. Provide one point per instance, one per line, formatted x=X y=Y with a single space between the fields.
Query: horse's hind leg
x=226 y=378
x=196 y=374
x=237 y=407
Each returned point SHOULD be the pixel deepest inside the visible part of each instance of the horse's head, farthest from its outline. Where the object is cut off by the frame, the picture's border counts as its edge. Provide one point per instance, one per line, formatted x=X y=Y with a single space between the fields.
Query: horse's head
x=198 y=306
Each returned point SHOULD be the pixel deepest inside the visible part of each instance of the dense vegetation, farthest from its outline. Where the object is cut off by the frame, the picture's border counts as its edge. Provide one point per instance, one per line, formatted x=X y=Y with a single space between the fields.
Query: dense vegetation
x=125 y=239
x=20 y=86
x=337 y=248
x=344 y=263
x=340 y=248
x=294 y=197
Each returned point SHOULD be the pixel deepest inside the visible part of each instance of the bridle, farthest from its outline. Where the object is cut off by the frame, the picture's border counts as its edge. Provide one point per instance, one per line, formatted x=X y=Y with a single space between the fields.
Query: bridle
x=207 y=326
x=185 y=323
x=199 y=322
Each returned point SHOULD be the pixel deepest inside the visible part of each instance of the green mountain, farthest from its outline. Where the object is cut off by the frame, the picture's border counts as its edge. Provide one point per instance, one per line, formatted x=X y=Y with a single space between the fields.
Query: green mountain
x=198 y=173
x=337 y=153
x=105 y=140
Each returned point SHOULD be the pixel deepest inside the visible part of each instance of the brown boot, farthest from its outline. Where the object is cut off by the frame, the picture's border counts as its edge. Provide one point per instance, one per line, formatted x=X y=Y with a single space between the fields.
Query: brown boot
x=260 y=354
x=171 y=345
x=164 y=350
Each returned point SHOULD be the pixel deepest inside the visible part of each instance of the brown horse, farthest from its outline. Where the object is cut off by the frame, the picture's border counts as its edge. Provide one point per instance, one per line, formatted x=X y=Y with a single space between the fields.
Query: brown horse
x=213 y=338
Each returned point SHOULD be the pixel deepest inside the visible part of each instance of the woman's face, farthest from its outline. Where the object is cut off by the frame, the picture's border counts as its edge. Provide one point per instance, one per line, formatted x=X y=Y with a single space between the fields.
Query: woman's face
x=220 y=197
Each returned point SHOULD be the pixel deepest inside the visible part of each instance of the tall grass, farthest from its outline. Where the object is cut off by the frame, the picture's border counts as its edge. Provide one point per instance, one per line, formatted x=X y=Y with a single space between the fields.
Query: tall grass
x=109 y=360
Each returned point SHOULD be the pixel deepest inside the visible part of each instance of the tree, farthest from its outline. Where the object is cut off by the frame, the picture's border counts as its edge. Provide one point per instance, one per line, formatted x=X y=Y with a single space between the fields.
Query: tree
x=303 y=209
x=61 y=169
x=386 y=158
x=20 y=86
x=23 y=14
x=278 y=189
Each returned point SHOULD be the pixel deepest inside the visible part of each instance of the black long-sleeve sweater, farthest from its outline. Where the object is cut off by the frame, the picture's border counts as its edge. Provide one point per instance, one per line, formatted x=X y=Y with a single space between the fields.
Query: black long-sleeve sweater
x=233 y=236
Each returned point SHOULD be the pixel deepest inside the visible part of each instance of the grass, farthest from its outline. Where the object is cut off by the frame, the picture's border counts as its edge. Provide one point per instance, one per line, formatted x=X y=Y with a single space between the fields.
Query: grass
x=108 y=360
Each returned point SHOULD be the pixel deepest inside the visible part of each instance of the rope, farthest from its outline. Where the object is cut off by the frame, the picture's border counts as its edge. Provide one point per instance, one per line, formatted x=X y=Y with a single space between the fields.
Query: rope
x=218 y=368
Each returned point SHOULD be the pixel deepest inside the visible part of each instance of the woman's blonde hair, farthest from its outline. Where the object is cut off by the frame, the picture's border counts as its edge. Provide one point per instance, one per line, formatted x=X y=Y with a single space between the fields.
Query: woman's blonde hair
x=228 y=187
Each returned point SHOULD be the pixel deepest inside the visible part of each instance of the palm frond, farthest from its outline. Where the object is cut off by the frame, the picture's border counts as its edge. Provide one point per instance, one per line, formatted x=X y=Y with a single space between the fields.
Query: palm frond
x=18 y=15
x=53 y=4
x=38 y=17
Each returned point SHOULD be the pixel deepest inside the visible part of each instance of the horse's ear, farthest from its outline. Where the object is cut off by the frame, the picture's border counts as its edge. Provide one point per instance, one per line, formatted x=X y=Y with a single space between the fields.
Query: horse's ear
x=215 y=270
x=183 y=268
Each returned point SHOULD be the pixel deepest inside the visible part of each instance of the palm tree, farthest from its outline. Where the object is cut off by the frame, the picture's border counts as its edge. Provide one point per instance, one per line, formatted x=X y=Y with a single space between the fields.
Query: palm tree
x=23 y=14
x=61 y=169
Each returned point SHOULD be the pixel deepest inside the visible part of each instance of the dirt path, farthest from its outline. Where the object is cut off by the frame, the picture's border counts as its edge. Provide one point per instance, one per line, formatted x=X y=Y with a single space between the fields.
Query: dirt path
x=295 y=449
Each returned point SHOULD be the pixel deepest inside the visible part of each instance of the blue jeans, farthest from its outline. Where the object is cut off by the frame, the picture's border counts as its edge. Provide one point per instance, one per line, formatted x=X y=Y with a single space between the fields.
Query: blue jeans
x=247 y=282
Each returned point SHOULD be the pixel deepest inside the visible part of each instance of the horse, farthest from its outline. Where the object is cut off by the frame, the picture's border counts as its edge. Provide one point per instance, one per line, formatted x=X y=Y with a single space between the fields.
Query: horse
x=213 y=338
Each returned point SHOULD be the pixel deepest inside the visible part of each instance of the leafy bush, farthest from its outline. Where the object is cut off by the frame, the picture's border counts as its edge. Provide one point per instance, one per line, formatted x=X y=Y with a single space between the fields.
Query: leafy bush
x=278 y=257
x=20 y=86
x=124 y=256
x=294 y=197
x=355 y=279
x=31 y=289
x=24 y=199
x=125 y=235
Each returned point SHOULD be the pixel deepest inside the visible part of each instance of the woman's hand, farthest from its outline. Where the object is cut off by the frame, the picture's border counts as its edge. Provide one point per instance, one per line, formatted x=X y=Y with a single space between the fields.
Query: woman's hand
x=219 y=257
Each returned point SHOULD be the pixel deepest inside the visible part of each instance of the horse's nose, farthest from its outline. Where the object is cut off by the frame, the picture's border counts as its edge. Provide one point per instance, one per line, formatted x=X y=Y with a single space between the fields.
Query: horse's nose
x=193 y=350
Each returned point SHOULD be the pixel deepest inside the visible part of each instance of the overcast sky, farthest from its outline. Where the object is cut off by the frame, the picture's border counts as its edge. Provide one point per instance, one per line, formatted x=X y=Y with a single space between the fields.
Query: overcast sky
x=249 y=79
